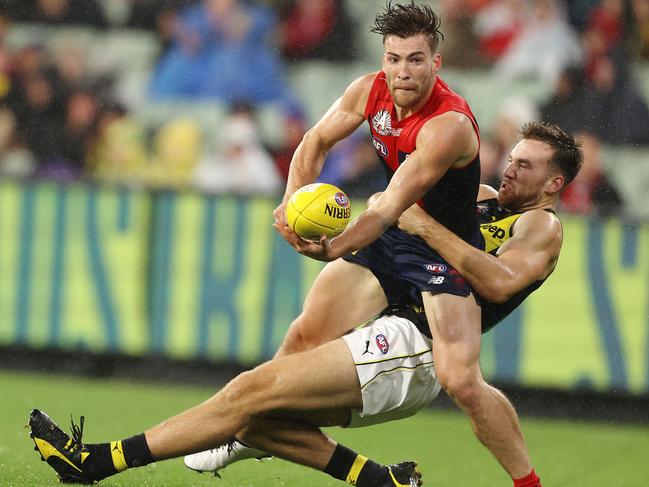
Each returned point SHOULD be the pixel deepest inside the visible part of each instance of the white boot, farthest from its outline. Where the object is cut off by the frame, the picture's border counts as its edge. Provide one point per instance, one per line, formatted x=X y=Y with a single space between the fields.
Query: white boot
x=217 y=458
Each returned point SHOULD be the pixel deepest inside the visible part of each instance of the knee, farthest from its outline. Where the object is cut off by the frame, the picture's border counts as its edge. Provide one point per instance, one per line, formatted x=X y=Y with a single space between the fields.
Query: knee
x=248 y=392
x=303 y=334
x=463 y=385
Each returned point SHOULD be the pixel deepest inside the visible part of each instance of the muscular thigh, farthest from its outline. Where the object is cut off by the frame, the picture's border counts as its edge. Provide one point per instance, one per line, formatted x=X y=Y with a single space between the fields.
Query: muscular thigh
x=320 y=379
x=455 y=325
x=343 y=296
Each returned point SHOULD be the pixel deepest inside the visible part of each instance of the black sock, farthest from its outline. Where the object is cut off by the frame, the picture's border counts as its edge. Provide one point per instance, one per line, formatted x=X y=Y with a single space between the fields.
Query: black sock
x=107 y=459
x=355 y=469
x=99 y=463
x=136 y=451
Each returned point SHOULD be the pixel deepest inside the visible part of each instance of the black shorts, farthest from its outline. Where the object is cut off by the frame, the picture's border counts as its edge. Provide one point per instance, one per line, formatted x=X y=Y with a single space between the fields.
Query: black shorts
x=406 y=266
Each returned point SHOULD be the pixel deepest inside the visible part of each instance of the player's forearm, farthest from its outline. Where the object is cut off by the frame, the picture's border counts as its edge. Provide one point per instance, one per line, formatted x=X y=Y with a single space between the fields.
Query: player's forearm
x=306 y=164
x=361 y=232
x=485 y=273
x=383 y=212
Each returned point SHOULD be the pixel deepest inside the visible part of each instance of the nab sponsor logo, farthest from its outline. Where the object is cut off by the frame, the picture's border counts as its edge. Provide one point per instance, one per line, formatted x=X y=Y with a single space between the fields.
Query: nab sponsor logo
x=380 y=147
x=435 y=268
x=382 y=343
x=337 y=212
x=341 y=199
x=495 y=230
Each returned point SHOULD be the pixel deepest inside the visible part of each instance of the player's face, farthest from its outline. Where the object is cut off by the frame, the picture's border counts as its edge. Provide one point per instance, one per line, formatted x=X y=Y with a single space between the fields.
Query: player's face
x=527 y=175
x=410 y=67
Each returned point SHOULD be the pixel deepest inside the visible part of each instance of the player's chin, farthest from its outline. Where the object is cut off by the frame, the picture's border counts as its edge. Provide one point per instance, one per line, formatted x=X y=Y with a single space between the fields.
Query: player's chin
x=406 y=98
x=506 y=199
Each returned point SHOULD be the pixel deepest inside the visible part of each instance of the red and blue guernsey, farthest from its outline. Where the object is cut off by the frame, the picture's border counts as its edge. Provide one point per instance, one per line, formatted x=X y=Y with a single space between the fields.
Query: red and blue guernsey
x=452 y=200
x=404 y=264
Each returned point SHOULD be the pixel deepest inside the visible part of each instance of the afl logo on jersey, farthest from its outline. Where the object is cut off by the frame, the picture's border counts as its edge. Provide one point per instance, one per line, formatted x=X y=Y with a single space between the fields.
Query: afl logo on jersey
x=379 y=145
x=435 y=268
x=341 y=199
x=382 y=343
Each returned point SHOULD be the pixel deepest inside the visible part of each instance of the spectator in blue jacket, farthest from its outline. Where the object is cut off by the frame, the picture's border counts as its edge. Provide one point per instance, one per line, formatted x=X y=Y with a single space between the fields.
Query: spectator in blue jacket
x=221 y=50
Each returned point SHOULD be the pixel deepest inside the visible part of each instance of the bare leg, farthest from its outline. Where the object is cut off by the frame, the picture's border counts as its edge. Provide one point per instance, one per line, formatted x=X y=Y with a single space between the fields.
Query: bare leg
x=343 y=296
x=296 y=382
x=455 y=326
x=291 y=440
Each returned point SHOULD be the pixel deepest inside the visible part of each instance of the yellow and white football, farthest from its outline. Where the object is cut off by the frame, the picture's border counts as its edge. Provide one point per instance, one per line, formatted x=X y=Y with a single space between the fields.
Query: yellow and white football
x=318 y=209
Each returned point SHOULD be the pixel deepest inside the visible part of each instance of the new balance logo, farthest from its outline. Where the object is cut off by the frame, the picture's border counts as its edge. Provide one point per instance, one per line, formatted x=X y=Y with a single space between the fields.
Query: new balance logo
x=436 y=280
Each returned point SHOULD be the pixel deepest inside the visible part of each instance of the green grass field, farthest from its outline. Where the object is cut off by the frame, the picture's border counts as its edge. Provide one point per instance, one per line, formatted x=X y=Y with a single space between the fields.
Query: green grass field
x=565 y=453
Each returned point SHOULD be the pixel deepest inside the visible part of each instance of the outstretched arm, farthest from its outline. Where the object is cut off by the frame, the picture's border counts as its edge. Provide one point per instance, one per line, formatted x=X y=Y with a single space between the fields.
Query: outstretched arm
x=529 y=255
x=341 y=120
x=444 y=141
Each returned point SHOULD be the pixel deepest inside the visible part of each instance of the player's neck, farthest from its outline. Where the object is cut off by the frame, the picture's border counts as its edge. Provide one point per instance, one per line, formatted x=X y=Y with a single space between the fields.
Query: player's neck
x=549 y=203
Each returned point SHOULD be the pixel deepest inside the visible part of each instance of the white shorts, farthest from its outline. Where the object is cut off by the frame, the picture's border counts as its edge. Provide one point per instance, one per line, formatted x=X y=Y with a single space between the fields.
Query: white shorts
x=394 y=363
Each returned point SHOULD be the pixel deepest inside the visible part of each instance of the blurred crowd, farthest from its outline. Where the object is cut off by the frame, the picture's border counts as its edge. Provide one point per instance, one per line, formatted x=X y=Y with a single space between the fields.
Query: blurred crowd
x=586 y=51
x=63 y=120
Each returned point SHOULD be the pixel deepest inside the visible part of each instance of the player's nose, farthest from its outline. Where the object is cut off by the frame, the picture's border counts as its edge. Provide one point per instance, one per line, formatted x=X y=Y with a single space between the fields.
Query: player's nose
x=509 y=172
x=402 y=71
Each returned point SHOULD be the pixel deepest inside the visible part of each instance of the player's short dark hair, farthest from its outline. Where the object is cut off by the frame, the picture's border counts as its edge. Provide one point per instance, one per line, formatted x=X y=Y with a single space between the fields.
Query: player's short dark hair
x=408 y=20
x=568 y=155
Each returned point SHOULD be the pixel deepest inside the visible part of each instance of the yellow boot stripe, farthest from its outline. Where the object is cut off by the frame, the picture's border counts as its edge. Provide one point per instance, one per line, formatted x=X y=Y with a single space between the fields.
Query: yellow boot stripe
x=399 y=484
x=47 y=450
x=396 y=482
x=355 y=471
x=118 y=455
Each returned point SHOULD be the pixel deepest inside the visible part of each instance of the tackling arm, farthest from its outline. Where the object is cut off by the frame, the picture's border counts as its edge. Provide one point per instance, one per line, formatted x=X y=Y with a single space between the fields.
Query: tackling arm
x=443 y=142
x=529 y=255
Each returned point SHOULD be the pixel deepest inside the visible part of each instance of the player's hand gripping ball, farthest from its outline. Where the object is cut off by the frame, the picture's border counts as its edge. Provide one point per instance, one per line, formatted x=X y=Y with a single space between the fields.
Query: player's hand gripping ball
x=318 y=209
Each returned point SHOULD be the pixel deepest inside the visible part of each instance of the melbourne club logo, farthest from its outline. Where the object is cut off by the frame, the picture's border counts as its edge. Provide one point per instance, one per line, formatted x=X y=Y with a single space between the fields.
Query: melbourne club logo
x=341 y=199
x=382 y=123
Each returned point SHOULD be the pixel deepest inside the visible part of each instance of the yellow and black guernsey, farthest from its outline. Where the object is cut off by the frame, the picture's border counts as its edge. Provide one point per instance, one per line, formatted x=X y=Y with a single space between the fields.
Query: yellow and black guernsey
x=497 y=226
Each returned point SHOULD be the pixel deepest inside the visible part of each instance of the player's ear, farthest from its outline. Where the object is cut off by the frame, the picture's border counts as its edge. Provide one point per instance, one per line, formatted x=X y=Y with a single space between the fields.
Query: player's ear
x=555 y=183
x=437 y=62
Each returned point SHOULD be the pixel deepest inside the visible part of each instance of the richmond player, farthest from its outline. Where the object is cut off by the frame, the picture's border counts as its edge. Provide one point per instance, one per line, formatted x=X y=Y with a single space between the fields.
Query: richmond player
x=522 y=238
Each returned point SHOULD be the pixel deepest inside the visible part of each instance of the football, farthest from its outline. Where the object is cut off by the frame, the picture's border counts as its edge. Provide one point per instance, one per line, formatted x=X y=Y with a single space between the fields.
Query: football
x=318 y=209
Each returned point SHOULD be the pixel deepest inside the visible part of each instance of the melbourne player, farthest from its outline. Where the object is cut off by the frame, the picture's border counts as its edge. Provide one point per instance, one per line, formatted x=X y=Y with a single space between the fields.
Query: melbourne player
x=428 y=140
